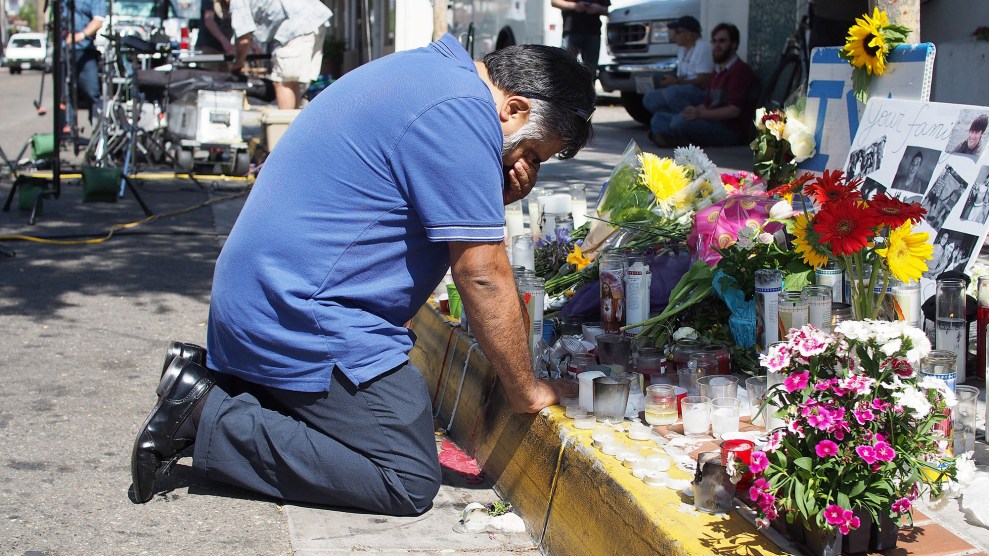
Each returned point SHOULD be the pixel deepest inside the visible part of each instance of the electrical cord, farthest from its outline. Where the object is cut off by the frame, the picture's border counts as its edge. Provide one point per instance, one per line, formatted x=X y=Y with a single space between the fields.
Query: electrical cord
x=120 y=227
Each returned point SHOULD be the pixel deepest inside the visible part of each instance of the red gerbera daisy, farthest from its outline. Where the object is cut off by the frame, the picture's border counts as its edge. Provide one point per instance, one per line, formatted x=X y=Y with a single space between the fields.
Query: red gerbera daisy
x=832 y=187
x=845 y=225
x=893 y=212
x=792 y=187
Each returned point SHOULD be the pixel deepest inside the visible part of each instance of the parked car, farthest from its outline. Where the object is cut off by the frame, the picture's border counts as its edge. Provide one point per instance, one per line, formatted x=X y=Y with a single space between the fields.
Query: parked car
x=27 y=51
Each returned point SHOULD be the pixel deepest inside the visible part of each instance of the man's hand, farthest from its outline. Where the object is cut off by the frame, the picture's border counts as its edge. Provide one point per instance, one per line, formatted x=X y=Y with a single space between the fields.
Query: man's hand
x=519 y=180
x=691 y=113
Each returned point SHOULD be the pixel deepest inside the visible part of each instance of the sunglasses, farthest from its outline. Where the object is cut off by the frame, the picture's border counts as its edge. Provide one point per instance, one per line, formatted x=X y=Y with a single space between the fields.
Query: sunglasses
x=582 y=113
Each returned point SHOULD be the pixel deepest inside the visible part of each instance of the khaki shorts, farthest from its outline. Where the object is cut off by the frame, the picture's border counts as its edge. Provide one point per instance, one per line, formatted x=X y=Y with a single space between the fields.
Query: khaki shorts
x=299 y=59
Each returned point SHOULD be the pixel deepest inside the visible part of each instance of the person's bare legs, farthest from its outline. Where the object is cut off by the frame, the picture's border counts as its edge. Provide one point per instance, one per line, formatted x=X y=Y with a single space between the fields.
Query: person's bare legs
x=286 y=94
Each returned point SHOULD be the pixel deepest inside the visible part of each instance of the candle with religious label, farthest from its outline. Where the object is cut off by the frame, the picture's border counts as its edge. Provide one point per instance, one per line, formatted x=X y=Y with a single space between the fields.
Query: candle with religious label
x=611 y=272
x=832 y=276
x=951 y=324
x=637 y=282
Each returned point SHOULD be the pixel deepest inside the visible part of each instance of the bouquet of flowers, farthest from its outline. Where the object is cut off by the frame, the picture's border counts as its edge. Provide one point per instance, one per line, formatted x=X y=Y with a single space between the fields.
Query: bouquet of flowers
x=867 y=47
x=873 y=240
x=783 y=141
x=860 y=433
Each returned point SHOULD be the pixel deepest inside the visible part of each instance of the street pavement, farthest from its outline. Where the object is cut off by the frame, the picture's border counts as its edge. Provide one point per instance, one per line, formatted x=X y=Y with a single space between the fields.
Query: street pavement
x=83 y=330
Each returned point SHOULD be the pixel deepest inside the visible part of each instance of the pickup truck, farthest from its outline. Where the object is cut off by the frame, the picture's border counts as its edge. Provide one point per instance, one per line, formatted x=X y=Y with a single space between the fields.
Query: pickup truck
x=643 y=51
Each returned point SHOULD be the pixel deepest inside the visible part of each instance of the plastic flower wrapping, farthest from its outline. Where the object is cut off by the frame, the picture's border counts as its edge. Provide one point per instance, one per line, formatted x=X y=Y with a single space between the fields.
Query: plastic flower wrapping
x=858 y=427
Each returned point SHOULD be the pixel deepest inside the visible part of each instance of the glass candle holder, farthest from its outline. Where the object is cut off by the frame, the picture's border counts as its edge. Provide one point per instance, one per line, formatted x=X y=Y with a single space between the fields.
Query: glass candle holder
x=578 y=204
x=982 y=327
x=638 y=431
x=681 y=354
x=963 y=418
x=723 y=355
x=952 y=328
x=724 y=415
x=818 y=300
x=792 y=312
x=840 y=312
x=940 y=364
x=696 y=415
x=614 y=350
x=638 y=279
x=514 y=220
x=831 y=276
x=579 y=362
x=590 y=331
x=535 y=215
x=704 y=363
x=755 y=389
x=661 y=405
x=718 y=386
x=523 y=252
x=611 y=397
x=906 y=302
x=768 y=285
x=533 y=296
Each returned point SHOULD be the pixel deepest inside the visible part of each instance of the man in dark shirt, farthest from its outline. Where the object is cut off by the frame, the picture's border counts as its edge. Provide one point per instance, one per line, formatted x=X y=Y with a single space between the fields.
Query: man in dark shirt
x=582 y=28
x=726 y=114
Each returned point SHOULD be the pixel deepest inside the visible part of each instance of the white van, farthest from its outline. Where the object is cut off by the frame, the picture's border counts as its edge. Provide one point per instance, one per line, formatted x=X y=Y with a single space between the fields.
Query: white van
x=27 y=51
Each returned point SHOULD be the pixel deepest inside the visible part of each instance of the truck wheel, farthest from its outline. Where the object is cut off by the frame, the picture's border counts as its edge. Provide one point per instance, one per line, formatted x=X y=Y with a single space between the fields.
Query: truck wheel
x=183 y=159
x=242 y=164
x=633 y=105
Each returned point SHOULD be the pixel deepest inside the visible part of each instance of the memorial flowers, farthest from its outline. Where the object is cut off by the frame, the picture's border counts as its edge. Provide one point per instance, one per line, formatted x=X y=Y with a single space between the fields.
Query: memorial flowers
x=873 y=240
x=859 y=432
x=782 y=142
x=867 y=48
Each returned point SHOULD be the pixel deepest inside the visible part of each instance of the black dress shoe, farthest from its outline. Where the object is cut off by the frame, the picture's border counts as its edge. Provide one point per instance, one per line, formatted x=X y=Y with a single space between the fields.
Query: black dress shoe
x=191 y=352
x=162 y=436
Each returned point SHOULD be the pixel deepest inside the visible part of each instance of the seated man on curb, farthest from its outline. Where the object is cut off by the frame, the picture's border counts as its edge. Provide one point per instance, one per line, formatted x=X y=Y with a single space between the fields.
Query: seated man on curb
x=694 y=68
x=394 y=174
x=725 y=116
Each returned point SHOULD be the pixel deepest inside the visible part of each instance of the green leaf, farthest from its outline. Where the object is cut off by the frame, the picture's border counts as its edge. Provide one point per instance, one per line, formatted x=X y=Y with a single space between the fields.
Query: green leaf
x=799 y=491
x=803 y=463
x=843 y=501
x=857 y=489
x=795 y=281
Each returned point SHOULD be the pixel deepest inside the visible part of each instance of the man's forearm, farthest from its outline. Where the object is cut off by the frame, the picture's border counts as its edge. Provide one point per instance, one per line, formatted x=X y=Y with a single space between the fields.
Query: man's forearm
x=495 y=314
x=243 y=47
x=728 y=112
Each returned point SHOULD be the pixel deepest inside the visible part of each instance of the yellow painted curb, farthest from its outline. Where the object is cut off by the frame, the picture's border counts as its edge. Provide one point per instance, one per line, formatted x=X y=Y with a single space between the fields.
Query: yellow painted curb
x=597 y=506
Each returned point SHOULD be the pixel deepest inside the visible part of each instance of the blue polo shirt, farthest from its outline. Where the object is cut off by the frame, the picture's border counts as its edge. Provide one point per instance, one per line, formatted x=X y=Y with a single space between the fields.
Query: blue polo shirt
x=345 y=233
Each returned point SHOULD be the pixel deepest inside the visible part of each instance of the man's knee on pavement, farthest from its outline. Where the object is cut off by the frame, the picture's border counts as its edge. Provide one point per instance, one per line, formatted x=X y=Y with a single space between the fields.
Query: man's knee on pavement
x=653 y=101
x=422 y=490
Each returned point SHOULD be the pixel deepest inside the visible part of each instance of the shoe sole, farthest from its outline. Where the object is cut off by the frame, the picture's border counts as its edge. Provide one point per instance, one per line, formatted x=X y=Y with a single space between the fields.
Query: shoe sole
x=164 y=388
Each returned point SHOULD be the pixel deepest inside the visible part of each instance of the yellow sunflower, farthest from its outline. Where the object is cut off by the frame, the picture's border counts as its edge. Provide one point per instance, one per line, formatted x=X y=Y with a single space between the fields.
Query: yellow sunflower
x=578 y=259
x=907 y=253
x=804 y=242
x=866 y=45
x=662 y=176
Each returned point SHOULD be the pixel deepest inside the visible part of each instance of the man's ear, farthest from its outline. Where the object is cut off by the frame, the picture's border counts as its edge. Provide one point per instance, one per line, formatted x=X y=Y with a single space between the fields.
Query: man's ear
x=515 y=108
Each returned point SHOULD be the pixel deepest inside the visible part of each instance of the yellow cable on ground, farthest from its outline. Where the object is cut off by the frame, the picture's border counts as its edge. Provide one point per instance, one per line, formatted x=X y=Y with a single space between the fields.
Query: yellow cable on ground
x=151 y=176
x=117 y=227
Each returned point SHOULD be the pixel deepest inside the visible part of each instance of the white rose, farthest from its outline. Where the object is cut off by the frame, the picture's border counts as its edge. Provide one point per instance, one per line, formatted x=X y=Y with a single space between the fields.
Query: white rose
x=685 y=332
x=765 y=238
x=759 y=113
x=795 y=124
x=802 y=146
x=781 y=211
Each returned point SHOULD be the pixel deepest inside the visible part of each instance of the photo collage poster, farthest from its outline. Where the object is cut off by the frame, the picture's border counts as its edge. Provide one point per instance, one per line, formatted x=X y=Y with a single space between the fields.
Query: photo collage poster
x=935 y=154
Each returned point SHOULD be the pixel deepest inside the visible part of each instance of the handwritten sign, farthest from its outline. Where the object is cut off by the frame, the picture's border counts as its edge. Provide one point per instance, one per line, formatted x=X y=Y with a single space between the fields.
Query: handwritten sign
x=932 y=153
x=832 y=109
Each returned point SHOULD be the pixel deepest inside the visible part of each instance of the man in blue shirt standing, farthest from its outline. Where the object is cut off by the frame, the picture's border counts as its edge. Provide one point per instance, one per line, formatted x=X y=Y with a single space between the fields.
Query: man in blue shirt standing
x=394 y=174
x=86 y=21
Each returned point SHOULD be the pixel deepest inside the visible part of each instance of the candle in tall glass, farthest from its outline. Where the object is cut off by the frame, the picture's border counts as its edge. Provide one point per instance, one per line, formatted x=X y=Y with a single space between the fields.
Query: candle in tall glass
x=578 y=204
x=832 y=276
x=534 y=214
x=951 y=323
x=906 y=302
x=611 y=272
x=637 y=282
x=514 y=220
x=792 y=312
x=818 y=300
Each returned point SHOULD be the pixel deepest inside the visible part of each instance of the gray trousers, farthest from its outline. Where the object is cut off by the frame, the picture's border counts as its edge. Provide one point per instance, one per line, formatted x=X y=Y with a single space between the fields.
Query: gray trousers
x=370 y=447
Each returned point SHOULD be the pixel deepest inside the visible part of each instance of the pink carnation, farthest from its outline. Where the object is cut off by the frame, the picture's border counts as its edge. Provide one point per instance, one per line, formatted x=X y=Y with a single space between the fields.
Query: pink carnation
x=867 y=453
x=826 y=448
x=833 y=514
x=776 y=359
x=796 y=381
x=758 y=463
x=901 y=506
x=863 y=416
x=883 y=451
x=813 y=343
x=850 y=521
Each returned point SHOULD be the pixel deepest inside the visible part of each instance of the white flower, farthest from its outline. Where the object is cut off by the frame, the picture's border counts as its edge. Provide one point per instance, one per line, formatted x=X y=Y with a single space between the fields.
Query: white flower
x=776 y=127
x=913 y=399
x=781 y=211
x=891 y=347
x=802 y=146
x=765 y=238
x=685 y=332
x=932 y=383
x=693 y=157
x=795 y=123
x=760 y=113
x=966 y=469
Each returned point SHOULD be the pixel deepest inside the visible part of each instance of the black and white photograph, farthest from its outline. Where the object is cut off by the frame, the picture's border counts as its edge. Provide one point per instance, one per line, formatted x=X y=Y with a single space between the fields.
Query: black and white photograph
x=866 y=160
x=951 y=252
x=871 y=188
x=915 y=169
x=966 y=136
x=946 y=192
x=977 y=205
